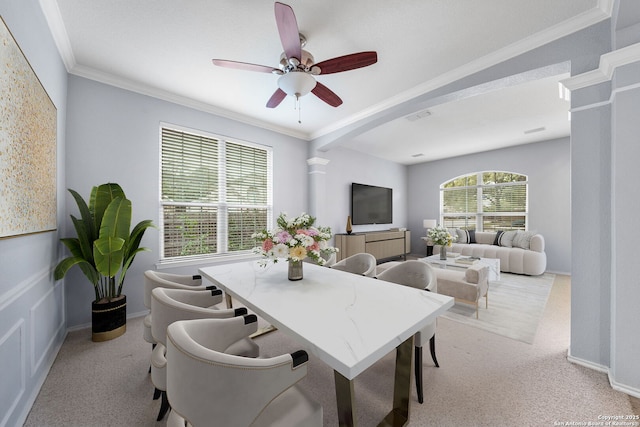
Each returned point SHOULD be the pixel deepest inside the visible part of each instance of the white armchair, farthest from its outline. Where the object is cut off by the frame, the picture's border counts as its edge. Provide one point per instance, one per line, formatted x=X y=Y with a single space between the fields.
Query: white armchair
x=154 y=279
x=171 y=305
x=362 y=263
x=420 y=275
x=206 y=386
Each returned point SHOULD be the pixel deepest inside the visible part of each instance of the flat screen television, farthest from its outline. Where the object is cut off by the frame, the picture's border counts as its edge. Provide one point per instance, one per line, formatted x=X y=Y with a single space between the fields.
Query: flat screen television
x=371 y=204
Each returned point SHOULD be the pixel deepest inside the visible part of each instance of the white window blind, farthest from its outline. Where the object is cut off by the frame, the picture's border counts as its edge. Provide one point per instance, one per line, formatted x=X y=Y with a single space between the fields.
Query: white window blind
x=485 y=201
x=215 y=193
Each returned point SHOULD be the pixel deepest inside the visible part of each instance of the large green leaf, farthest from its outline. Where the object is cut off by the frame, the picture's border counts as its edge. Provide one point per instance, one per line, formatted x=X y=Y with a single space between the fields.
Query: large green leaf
x=108 y=253
x=117 y=219
x=86 y=215
x=88 y=269
x=101 y=197
x=85 y=243
x=73 y=244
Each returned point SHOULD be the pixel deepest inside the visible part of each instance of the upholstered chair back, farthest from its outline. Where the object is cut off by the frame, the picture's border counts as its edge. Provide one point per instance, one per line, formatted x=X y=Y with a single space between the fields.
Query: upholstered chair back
x=362 y=263
x=416 y=274
x=207 y=386
x=154 y=279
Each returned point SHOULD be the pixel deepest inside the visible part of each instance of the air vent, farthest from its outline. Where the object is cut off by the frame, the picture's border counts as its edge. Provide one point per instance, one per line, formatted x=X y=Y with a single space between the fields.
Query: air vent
x=526 y=132
x=419 y=115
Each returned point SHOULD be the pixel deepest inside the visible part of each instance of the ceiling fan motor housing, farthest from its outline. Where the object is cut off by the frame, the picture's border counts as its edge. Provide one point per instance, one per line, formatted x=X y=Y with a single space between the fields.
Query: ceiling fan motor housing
x=305 y=63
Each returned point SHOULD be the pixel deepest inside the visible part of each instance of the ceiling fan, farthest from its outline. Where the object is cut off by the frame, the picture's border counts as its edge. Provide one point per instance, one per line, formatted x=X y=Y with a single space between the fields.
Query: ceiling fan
x=297 y=68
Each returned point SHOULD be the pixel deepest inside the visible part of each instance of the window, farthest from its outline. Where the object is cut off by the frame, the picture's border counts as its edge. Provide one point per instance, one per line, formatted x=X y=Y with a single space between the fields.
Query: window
x=214 y=194
x=485 y=201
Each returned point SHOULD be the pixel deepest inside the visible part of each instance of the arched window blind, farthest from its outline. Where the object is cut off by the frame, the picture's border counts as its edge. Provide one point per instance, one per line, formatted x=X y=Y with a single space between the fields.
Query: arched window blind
x=485 y=201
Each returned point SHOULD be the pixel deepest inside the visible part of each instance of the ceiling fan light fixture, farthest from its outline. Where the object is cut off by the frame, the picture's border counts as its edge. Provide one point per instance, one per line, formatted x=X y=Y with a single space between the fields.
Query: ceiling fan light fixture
x=296 y=83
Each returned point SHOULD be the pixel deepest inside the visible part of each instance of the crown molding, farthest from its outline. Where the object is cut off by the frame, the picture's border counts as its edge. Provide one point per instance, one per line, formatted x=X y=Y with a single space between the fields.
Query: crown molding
x=126 y=84
x=608 y=64
x=53 y=17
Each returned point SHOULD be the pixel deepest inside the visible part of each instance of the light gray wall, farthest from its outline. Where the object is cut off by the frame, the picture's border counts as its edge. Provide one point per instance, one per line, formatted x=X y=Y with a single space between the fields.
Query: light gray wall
x=32 y=324
x=547 y=164
x=113 y=136
x=347 y=166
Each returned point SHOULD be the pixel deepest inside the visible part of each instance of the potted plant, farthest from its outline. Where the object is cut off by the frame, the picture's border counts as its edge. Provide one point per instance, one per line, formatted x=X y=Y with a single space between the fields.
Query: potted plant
x=104 y=250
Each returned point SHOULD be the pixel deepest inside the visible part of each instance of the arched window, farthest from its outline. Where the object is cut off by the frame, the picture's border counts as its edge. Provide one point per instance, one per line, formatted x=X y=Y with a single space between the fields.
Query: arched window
x=485 y=201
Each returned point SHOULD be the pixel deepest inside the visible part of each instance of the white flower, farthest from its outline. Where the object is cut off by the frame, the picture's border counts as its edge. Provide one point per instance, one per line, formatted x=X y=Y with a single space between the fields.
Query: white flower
x=280 y=250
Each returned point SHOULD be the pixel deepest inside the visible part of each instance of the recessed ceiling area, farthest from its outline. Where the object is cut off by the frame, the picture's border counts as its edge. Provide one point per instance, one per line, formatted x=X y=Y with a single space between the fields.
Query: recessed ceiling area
x=520 y=114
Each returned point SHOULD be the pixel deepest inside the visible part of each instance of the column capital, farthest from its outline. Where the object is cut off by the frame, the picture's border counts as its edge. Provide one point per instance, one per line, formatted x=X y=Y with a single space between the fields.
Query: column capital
x=317 y=161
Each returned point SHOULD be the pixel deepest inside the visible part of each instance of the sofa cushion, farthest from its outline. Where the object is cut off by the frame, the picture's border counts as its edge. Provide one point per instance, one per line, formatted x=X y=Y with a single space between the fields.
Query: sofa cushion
x=522 y=239
x=465 y=236
x=506 y=239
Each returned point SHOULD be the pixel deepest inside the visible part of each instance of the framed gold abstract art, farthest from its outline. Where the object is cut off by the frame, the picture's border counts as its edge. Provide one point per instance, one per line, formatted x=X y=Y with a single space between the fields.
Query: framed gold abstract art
x=28 y=127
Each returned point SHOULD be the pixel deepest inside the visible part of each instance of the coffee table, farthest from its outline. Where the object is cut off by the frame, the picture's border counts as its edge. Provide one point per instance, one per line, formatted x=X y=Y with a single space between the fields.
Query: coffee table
x=492 y=263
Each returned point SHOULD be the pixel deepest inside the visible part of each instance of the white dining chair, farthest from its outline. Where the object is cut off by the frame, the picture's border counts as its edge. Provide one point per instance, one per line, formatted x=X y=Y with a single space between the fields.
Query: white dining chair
x=362 y=263
x=207 y=386
x=420 y=275
x=171 y=305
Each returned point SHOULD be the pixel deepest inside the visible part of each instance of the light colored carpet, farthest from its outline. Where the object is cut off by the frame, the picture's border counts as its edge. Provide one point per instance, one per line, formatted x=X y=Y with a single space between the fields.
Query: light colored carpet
x=484 y=379
x=516 y=306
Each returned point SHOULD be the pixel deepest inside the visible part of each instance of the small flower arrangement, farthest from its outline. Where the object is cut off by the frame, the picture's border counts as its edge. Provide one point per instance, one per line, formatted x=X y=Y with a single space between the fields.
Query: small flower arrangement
x=439 y=235
x=294 y=239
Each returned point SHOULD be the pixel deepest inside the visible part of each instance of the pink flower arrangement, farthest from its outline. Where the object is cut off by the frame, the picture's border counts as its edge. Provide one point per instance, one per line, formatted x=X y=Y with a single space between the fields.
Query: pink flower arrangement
x=294 y=239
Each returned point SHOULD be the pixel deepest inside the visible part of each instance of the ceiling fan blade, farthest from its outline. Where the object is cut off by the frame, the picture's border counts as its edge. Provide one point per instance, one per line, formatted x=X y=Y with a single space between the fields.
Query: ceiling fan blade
x=244 y=66
x=276 y=98
x=347 y=62
x=288 y=29
x=326 y=94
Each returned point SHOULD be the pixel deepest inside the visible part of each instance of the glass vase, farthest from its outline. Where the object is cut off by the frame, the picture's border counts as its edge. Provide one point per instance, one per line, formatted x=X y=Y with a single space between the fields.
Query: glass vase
x=295 y=270
x=443 y=252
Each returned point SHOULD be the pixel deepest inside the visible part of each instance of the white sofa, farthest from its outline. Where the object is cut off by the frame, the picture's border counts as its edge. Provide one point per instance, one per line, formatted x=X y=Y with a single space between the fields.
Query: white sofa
x=520 y=252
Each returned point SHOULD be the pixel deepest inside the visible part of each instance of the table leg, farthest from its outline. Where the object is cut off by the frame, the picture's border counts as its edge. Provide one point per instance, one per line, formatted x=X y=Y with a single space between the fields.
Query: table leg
x=399 y=415
x=345 y=400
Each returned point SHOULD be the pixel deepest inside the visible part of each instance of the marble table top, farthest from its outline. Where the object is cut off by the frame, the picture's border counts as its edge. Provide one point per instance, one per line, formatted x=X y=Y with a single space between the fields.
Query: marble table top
x=346 y=320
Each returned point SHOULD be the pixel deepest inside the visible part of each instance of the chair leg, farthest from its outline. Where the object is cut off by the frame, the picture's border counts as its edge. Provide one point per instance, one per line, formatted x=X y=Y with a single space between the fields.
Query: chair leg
x=164 y=406
x=432 y=347
x=418 y=371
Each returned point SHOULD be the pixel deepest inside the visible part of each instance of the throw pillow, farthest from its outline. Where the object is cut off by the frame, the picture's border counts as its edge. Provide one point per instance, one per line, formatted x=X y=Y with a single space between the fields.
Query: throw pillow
x=472 y=236
x=522 y=239
x=462 y=236
x=506 y=239
x=496 y=241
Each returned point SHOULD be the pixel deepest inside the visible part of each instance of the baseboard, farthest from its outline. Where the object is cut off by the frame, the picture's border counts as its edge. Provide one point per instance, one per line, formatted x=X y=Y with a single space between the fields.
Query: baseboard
x=631 y=391
x=586 y=363
x=624 y=388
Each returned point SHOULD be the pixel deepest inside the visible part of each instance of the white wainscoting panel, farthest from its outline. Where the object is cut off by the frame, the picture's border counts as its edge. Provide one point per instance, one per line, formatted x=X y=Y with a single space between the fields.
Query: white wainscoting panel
x=12 y=355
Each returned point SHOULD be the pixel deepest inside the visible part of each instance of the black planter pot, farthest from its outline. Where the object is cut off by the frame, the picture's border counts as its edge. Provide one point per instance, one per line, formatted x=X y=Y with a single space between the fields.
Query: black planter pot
x=108 y=319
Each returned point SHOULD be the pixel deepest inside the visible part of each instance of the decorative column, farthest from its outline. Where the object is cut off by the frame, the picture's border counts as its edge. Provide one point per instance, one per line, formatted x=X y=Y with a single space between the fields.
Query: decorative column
x=317 y=201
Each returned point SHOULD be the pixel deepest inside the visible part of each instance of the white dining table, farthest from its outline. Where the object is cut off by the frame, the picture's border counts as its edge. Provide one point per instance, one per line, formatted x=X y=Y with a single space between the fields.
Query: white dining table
x=346 y=320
